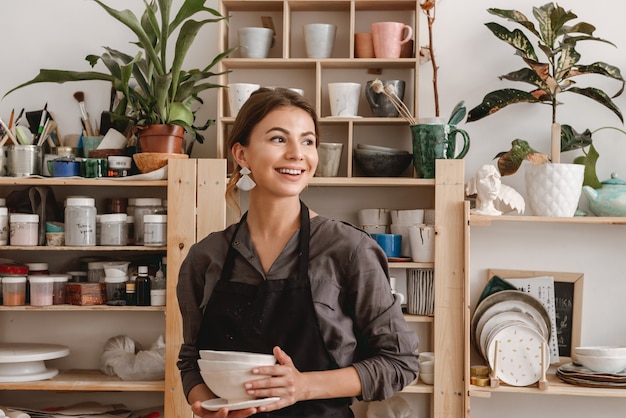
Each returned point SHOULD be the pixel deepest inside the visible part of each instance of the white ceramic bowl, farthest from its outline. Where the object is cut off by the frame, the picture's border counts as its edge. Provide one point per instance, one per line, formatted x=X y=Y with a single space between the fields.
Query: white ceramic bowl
x=427 y=367
x=428 y=378
x=228 y=384
x=217 y=365
x=602 y=364
x=601 y=350
x=255 y=358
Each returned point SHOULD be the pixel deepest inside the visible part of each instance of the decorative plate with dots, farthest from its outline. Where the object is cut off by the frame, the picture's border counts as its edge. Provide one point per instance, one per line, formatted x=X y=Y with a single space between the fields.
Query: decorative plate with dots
x=518 y=360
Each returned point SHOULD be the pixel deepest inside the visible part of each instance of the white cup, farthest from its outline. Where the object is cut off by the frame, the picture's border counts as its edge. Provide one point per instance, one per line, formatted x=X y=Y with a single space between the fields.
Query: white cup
x=329 y=159
x=407 y=216
x=344 y=99
x=376 y=216
x=422 y=239
x=319 y=39
x=255 y=42
x=403 y=229
x=238 y=93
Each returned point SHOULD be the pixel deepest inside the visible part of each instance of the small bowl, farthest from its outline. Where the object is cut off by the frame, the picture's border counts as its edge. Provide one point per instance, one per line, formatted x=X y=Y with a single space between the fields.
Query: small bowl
x=382 y=165
x=428 y=378
x=379 y=149
x=228 y=384
x=151 y=161
x=602 y=364
x=218 y=366
x=115 y=268
x=255 y=358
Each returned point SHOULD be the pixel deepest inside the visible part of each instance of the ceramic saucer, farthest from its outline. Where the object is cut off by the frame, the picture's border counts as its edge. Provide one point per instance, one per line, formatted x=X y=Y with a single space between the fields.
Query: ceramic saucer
x=217 y=404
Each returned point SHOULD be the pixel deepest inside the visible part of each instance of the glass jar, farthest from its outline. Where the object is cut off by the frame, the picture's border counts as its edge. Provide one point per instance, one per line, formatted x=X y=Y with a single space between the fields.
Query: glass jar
x=80 y=221
x=59 y=289
x=144 y=206
x=41 y=290
x=14 y=290
x=113 y=229
x=155 y=230
x=95 y=271
x=4 y=226
x=37 y=269
x=116 y=290
x=23 y=229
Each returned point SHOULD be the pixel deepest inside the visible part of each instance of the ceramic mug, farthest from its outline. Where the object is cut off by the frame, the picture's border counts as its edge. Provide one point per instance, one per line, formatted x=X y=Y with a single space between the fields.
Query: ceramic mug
x=255 y=42
x=388 y=38
x=319 y=39
x=435 y=141
x=380 y=104
x=390 y=243
x=238 y=93
x=329 y=159
x=344 y=99
x=90 y=143
x=363 y=45
x=63 y=167
x=422 y=239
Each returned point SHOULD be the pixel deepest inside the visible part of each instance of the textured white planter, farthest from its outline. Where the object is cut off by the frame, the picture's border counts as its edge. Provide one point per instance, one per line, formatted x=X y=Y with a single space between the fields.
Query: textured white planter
x=554 y=189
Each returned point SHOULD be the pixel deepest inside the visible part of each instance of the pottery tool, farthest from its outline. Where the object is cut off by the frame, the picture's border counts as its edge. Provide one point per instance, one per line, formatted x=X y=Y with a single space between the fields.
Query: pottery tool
x=80 y=98
x=42 y=120
x=19 y=117
x=11 y=118
x=8 y=131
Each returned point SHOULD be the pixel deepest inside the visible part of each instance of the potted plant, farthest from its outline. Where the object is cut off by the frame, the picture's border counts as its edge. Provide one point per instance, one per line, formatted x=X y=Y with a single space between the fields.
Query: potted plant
x=156 y=92
x=551 y=76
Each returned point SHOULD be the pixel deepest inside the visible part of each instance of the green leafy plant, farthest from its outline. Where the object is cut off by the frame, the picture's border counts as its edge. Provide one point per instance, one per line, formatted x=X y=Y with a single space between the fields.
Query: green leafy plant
x=154 y=89
x=553 y=74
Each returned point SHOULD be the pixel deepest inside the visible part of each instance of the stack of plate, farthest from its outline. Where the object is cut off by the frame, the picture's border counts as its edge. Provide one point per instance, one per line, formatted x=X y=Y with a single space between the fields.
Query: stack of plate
x=576 y=374
x=420 y=292
x=519 y=326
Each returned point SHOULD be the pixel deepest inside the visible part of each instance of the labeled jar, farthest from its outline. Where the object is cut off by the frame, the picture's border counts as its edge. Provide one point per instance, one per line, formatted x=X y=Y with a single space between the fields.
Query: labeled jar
x=59 y=289
x=41 y=290
x=158 y=289
x=14 y=290
x=80 y=221
x=23 y=229
x=144 y=206
x=37 y=269
x=113 y=229
x=131 y=295
x=4 y=226
x=119 y=166
x=155 y=230
x=116 y=290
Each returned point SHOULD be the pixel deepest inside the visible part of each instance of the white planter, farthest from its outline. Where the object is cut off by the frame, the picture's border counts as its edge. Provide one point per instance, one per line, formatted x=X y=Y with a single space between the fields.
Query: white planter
x=554 y=189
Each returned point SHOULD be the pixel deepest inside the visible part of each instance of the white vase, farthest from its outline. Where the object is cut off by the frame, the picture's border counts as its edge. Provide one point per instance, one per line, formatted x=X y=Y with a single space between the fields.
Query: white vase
x=554 y=189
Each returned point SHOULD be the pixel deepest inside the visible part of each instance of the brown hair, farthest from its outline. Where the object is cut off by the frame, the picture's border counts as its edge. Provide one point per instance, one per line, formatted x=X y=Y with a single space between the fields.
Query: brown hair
x=260 y=104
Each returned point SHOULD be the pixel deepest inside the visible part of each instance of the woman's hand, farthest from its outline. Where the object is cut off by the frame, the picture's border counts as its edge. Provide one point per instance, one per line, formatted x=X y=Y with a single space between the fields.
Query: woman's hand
x=199 y=411
x=286 y=382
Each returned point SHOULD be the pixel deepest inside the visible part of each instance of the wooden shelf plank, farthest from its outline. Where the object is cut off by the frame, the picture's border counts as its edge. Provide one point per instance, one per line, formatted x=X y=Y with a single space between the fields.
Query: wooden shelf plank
x=62 y=181
x=418 y=387
x=86 y=380
x=418 y=318
x=95 y=248
x=66 y=307
x=555 y=387
x=480 y=220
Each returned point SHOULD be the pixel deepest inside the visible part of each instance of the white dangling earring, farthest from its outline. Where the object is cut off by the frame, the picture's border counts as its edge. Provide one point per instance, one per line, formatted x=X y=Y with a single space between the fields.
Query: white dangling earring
x=245 y=183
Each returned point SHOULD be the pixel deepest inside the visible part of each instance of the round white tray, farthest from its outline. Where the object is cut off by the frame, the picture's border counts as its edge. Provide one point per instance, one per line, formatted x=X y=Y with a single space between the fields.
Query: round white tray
x=24 y=362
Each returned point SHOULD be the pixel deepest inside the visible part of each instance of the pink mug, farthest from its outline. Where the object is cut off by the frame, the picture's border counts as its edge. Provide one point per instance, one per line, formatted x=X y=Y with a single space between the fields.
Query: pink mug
x=388 y=40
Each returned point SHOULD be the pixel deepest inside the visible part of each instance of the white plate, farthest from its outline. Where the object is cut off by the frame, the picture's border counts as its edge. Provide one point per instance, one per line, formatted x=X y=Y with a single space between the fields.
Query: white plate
x=29 y=377
x=217 y=404
x=487 y=322
x=519 y=355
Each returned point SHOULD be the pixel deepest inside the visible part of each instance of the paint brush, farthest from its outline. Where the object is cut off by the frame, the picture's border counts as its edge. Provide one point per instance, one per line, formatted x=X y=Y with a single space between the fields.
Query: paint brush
x=19 y=117
x=80 y=98
x=43 y=120
x=11 y=118
x=8 y=131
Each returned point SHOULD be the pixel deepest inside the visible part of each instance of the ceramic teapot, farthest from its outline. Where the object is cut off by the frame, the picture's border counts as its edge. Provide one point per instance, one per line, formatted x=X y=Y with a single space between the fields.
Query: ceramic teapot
x=610 y=199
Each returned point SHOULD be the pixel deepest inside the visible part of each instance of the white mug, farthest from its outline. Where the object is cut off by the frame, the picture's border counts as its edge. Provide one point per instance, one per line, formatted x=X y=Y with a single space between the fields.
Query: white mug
x=255 y=42
x=319 y=39
x=329 y=159
x=238 y=93
x=344 y=99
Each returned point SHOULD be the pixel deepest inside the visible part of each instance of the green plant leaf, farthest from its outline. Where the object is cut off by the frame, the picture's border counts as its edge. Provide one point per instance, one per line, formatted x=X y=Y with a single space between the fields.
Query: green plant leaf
x=589 y=161
x=497 y=100
x=525 y=75
x=572 y=140
x=515 y=16
x=551 y=19
x=600 y=97
x=63 y=76
x=510 y=161
x=516 y=38
x=600 y=68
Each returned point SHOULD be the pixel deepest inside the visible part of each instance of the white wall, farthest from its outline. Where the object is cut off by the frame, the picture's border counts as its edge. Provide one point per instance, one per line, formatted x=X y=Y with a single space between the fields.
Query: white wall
x=59 y=33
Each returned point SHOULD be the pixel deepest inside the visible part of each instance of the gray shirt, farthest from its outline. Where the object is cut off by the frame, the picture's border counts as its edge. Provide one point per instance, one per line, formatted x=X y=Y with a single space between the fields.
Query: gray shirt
x=350 y=287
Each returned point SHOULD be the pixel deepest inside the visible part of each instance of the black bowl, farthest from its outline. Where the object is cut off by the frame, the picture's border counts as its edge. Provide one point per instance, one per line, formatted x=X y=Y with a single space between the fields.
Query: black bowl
x=374 y=164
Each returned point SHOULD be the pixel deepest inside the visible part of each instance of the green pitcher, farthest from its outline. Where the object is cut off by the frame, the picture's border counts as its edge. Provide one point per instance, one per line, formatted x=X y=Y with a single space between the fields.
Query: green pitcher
x=433 y=141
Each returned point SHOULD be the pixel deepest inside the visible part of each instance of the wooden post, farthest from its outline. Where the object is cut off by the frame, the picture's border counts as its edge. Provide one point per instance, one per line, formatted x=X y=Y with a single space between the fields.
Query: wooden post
x=555 y=143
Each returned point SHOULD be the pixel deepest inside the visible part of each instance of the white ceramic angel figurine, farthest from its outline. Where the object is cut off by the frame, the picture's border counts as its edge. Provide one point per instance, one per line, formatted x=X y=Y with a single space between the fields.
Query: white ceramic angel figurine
x=490 y=191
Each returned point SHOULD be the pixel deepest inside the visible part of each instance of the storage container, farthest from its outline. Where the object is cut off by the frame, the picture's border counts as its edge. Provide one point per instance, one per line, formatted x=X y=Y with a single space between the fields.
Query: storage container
x=14 y=290
x=116 y=290
x=113 y=229
x=4 y=226
x=41 y=290
x=155 y=230
x=80 y=221
x=23 y=229
x=144 y=206
x=59 y=289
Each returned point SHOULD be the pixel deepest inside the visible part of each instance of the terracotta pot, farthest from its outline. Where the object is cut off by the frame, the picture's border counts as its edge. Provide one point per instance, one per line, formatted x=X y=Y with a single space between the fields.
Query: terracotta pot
x=161 y=138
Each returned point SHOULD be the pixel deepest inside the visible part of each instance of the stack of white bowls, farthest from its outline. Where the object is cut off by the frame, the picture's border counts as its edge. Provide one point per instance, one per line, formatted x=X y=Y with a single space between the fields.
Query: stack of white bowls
x=603 y=359
x=225 y=372
x=401 y=221
x=374 y=221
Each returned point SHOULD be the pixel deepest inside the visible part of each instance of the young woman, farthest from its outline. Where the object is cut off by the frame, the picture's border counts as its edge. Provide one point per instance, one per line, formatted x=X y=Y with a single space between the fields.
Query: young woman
x=284 y=280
